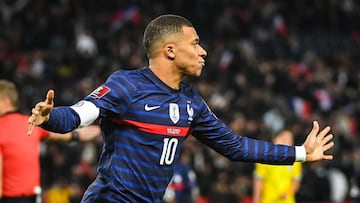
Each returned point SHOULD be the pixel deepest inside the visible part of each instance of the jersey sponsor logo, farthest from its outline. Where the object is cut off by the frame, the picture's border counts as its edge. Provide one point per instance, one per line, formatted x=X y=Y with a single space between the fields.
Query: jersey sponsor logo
x=100 y=92
x=150 y=108
x=174 y=112
x=173 y=131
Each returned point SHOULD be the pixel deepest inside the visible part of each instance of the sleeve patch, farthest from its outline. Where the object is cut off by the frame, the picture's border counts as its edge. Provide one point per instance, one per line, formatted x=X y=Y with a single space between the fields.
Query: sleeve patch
x=99 y=92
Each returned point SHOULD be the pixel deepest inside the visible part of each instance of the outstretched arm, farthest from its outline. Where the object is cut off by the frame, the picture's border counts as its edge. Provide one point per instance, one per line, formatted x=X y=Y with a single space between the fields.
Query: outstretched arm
x=41 y=111
x=62 y=119
x=317 y=143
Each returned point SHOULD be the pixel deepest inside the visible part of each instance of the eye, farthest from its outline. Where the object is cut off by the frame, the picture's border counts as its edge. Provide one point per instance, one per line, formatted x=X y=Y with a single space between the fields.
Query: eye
x=195 y=44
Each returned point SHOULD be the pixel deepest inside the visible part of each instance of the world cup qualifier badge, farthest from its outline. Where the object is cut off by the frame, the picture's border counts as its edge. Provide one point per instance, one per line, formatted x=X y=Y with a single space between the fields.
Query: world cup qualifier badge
x=99 y=92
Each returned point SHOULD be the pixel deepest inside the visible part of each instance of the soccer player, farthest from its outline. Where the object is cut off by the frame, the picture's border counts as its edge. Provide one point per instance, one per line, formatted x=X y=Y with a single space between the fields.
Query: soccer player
x=19 y=153
x=273 y=183
x=183 y=186
x=147 y=113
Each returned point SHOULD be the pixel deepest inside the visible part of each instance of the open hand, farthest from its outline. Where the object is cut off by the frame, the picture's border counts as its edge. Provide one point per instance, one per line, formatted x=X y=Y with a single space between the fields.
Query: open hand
x=41 y=111
x=317 y=143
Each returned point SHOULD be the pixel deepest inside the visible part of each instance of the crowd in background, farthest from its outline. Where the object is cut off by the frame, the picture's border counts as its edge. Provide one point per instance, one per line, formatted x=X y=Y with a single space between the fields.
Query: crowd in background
x=271 y=65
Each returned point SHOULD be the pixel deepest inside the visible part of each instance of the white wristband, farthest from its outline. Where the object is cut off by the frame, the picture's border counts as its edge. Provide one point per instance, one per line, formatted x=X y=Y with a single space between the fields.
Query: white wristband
x=300 y=154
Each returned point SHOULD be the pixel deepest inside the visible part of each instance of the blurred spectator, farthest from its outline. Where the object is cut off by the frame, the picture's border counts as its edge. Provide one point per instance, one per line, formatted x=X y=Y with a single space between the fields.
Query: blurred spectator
x=19 y=154
x=277 y=183
x=339 y=186
x=315 y=185
x=183 y=187
x=59 y=192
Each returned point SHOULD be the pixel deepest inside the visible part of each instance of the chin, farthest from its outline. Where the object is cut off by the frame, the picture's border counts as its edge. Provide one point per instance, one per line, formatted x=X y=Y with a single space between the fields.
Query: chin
x=196 y=74
x=199 y=72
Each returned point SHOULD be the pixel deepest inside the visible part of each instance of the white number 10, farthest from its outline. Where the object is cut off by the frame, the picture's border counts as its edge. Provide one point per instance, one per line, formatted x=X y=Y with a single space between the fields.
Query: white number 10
x=168 y=152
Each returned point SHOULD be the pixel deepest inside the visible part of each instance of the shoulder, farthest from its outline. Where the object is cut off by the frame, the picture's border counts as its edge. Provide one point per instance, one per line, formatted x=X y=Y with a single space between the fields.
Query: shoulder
x=128 y=73
x=120 y=83
x=124 y=78
x=14 y=117
x=297 y=165
x=129 y=78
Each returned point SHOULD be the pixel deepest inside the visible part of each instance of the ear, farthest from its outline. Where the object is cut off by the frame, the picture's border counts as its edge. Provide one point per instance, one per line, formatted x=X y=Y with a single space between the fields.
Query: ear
x=169 y=50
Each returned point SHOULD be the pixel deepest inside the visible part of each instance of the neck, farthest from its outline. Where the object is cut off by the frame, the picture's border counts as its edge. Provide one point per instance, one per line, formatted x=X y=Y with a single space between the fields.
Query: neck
x=2 y=113
x=166 y=73
x=7 y=110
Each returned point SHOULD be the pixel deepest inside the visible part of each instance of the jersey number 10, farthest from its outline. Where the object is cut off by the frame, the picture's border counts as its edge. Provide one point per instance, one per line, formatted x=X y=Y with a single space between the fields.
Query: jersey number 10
x=168 y=152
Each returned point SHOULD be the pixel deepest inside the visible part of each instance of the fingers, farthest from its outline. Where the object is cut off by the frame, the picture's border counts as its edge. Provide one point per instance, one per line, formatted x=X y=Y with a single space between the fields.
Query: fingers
x=326 y=139
x=30 y=128
x=40 y=112
x=50 y=97
x=309 y=143
x=313 y=134
x=324 y=132
x=38 y=109
x=46 y=106
x=314 y=130
x=318 y=142
x=328 y=146
x=328 y=157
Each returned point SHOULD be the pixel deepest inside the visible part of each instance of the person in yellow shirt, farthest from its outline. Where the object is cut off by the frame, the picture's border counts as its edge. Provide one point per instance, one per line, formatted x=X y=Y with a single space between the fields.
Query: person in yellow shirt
x=277 y=183
x=60 y=191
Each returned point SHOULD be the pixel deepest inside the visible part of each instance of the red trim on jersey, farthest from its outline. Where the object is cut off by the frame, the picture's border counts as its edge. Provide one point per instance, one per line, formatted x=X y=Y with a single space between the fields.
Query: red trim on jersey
x=156 y=129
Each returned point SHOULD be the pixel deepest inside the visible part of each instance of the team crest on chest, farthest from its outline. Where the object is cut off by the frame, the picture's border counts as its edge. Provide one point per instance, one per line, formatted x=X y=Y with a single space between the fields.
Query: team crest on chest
x=174 y=112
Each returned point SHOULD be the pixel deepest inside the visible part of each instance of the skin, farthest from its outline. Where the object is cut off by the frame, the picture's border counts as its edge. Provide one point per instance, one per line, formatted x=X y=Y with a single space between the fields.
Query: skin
x=180 y=55
x=177 y=56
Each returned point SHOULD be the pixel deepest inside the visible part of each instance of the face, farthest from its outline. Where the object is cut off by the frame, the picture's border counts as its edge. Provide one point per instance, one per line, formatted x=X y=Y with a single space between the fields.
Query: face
x=189 y=55
x=4 y=105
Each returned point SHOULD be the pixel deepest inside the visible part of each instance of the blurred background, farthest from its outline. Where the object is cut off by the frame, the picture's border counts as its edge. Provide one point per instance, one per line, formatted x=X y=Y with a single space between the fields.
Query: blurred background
x=271 y=65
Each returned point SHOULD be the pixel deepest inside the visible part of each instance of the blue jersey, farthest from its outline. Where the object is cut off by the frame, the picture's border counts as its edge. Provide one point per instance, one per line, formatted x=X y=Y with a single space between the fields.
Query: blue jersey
x=144 y=123
x=183 y=183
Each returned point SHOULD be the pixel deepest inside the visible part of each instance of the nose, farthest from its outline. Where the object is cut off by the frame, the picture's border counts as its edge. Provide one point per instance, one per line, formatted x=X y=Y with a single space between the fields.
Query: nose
x=203 y=52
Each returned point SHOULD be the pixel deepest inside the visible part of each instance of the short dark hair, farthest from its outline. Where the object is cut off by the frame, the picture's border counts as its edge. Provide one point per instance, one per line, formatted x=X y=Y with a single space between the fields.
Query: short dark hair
x=161 y=27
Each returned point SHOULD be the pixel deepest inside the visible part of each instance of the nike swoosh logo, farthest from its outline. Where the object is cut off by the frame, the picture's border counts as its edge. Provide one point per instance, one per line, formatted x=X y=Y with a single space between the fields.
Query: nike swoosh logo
x=150 y=108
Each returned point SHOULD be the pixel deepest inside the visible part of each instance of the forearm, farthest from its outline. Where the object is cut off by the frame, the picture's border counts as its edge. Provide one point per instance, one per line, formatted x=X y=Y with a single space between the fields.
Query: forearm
x=264 y=152
x=62 y=120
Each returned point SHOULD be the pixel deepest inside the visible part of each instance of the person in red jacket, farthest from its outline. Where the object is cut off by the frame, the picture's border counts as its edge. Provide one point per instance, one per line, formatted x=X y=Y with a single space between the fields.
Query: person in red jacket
x=19 y=153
